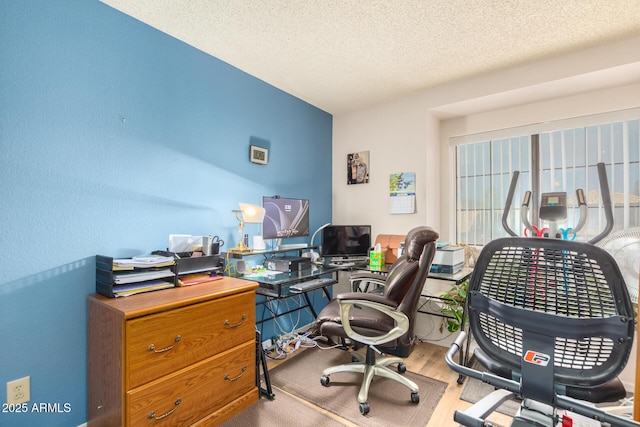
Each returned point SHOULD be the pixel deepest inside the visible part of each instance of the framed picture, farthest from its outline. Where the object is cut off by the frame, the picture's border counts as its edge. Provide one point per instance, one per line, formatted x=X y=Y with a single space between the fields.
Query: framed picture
x=358 y=168
x=258 y=155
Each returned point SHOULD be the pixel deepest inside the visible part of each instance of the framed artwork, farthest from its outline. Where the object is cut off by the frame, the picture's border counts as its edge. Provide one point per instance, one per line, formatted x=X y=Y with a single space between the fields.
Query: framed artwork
x=258 y=155
x=358 y=168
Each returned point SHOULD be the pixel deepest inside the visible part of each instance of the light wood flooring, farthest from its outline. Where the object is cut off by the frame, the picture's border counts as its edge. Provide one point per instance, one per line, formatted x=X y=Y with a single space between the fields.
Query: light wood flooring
x=428 y=360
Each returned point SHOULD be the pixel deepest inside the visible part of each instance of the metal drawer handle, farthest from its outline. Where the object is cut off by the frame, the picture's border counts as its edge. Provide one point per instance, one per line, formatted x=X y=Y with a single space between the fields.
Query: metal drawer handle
x=152 y=347
x=236 y=378
x=152 y=415
x=235 y=325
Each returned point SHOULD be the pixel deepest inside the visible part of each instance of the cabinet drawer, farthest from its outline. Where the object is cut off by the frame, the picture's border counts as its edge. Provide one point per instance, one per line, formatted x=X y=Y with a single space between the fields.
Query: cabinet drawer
x=161 y=343
x=186 y=396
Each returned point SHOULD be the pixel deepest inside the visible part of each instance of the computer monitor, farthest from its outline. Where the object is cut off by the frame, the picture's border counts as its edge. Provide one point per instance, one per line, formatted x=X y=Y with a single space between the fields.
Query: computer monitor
x=346 y=241
x=285 y=218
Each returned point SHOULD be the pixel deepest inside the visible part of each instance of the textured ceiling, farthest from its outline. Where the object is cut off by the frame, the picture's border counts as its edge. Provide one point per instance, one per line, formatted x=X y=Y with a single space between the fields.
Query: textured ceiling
x=340 y=55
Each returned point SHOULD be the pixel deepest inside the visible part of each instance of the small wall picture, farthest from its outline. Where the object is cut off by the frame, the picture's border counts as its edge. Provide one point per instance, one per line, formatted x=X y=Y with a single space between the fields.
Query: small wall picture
x=358 y=168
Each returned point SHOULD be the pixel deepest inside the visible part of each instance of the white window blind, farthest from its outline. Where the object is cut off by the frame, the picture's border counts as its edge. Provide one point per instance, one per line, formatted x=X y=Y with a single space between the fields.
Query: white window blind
x=564 y=159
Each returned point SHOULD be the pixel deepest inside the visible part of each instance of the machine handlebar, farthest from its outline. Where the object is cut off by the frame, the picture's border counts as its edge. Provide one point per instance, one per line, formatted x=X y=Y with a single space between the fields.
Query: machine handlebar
x=582 y=203
x=606 y=203
x=507 y=205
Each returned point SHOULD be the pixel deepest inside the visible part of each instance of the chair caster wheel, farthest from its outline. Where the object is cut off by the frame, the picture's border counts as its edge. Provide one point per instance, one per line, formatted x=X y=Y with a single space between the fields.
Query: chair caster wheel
x=364 y=408
x=402 y=368
x=415 y=398
x=324 y=380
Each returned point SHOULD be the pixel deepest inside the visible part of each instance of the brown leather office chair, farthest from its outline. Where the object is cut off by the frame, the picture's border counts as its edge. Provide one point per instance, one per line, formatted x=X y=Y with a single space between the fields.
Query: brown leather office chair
x=382 y=321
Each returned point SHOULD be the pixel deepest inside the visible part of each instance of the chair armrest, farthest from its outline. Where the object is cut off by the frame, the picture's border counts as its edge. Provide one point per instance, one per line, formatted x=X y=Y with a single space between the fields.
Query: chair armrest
x=376 y=302
x=359 y=297
x=365 y=275
x=356 y=279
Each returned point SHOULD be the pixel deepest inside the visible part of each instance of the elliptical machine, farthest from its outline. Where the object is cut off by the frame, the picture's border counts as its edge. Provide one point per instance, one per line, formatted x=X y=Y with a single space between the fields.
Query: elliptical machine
x=553 y=209
x=526 y=300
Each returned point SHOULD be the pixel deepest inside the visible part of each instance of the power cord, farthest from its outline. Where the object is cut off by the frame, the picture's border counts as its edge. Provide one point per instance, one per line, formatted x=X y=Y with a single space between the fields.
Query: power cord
x=287 y=344
x=229 y=268
x=289 y=341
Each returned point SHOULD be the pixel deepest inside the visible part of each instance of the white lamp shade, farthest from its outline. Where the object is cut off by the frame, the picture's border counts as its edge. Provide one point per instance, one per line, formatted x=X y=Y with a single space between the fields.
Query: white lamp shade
x=252 y=213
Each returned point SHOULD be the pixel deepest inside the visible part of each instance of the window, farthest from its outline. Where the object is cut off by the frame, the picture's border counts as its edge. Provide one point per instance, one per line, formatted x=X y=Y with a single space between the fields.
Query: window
x=553 y=160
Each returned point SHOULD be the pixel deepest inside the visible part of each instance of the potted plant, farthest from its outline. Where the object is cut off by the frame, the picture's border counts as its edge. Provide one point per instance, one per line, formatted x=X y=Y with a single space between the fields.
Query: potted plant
x=453 y=302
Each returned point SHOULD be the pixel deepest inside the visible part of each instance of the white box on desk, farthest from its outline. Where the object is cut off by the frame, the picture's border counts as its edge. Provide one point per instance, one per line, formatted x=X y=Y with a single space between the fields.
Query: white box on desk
x=449 y=255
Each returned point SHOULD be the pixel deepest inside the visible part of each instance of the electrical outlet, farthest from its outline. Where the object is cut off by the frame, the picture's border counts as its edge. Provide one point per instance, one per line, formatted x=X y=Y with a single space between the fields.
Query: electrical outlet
x=19 y=391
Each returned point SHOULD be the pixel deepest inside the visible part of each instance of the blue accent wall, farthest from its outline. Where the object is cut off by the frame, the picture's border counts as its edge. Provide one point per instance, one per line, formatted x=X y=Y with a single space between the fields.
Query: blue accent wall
x=112 y=136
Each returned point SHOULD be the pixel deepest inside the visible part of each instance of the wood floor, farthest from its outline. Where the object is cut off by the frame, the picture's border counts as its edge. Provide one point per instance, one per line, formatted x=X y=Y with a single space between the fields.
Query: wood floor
x=428 y=360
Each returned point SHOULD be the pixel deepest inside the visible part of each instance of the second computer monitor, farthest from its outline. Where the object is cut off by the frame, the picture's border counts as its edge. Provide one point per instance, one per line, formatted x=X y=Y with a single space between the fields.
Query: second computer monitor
x=346 y=241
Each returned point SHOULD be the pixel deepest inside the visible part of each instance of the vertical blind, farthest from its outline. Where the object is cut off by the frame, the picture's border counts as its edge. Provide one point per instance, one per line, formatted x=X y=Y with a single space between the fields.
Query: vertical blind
x=564 y=160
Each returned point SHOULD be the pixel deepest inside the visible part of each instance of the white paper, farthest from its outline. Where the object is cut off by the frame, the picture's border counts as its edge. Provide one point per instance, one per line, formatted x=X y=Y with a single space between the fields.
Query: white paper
x=179 y=243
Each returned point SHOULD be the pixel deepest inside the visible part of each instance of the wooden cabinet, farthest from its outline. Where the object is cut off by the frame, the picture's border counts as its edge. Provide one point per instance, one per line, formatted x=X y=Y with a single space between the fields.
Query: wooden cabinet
x=181 y=356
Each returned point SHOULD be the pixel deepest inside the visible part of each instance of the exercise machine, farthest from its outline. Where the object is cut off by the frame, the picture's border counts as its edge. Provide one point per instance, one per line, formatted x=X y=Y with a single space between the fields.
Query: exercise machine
x=553 y=210
x=554 y=326
x=552 y=318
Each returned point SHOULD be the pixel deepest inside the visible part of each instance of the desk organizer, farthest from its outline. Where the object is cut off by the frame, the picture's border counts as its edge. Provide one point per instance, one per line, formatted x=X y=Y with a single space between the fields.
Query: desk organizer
x=197 y=264
x=107 y=275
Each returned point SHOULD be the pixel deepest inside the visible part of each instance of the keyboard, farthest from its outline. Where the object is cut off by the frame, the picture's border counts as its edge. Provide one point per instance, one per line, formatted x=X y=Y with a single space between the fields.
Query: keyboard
x=350 y=260
x=342 y=264
x=312 y=284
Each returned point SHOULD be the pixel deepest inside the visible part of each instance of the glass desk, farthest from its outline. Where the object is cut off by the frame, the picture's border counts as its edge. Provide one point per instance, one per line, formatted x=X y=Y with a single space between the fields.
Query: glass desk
x=458 y=277
x=277 y=285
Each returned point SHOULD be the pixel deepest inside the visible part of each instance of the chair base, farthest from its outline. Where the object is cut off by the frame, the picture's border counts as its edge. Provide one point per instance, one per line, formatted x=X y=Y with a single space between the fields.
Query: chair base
x=369 y=367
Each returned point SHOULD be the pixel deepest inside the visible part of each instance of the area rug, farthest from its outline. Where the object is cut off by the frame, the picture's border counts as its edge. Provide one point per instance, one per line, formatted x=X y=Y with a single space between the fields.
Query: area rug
x=284 y=410
x=390 y=401
x=474 y=390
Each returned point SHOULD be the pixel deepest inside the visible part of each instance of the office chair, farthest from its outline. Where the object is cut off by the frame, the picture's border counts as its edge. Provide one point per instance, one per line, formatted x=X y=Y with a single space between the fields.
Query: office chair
x=382 y=320
x=364 y=281
x=554 y=325
x=371 y=281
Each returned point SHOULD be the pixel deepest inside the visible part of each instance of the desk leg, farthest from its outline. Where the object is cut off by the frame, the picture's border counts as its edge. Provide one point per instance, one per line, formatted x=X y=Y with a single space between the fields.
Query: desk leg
x=464 y=359
x=261 y=361
x=308 y=300
x=327 y=294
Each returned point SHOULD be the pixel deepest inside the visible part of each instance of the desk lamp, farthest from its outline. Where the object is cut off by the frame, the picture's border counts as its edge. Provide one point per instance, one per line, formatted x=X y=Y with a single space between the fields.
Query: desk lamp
x=248 y=213
x=313 y=254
